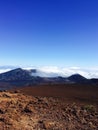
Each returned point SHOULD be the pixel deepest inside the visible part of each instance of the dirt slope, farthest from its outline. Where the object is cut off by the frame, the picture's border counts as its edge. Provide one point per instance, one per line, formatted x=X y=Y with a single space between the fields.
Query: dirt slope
x=22 y=112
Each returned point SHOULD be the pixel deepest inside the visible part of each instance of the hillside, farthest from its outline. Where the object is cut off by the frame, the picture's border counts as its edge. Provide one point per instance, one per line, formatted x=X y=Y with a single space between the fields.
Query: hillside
x=21 y=77
x=22 y=112
x=47 y=103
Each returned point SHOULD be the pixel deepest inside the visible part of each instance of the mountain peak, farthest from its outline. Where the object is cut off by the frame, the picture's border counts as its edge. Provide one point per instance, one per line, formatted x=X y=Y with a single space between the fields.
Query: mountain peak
x=77 y=78
x=18 y=69
x=16 y=74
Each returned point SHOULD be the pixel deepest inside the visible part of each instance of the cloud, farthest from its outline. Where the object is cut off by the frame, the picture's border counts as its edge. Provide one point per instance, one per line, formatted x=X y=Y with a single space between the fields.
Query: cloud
x=4 y=70
x=56 y=71
x=53 y=71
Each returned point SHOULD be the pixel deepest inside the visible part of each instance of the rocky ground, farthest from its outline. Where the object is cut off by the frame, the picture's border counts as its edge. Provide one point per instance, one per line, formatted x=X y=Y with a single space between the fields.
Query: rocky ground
x=22 y=112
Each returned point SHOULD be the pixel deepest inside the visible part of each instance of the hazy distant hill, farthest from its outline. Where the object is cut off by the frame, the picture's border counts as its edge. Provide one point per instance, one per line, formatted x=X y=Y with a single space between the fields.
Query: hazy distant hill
x=16 y=74
x=77 y=78
x=22 y=77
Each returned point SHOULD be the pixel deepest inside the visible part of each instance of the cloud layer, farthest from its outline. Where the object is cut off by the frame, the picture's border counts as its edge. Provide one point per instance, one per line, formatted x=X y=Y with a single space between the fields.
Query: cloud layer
x=67 y=71
x=52 y=71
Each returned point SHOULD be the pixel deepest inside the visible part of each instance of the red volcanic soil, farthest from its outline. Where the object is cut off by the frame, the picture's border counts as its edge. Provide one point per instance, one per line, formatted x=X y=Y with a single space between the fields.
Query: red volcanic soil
x=50 y=107
x=70 y=92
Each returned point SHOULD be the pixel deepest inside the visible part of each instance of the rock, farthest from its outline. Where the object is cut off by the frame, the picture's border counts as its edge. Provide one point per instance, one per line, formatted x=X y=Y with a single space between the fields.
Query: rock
x=49 y=125
x=1 y=119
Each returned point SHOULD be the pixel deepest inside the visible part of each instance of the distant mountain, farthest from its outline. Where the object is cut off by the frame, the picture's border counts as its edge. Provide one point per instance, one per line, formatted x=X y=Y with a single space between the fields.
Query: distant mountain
x=16 y=74
x=22 y=77
x=77 y=78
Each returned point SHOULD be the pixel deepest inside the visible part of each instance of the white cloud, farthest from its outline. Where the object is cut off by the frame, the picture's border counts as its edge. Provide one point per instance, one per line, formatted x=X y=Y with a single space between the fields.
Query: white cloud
x=75 y=68
x=49 y=69
x=88 y=73
x=4 y=70
x=52 y=71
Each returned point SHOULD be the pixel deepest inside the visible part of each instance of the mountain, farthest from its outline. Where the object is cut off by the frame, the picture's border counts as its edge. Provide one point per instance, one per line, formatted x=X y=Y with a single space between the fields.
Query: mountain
x=22 y=77
x=16 y=74
x=77 y=78
x=33 y=74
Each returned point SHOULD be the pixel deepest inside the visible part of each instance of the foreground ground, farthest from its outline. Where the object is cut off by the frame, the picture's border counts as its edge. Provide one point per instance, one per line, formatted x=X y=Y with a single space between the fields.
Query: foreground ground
x=20 y=111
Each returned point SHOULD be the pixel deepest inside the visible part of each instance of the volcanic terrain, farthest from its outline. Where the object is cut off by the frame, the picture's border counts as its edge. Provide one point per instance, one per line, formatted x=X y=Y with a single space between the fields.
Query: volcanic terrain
x=50 y=107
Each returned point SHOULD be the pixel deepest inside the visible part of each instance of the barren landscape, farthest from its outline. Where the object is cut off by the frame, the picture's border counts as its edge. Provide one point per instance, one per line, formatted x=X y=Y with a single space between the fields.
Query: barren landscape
x=50 y=107
x=48 y=64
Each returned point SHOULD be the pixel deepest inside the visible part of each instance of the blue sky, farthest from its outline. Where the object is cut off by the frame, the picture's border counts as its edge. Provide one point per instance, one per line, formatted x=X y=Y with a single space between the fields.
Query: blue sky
x=49 y=32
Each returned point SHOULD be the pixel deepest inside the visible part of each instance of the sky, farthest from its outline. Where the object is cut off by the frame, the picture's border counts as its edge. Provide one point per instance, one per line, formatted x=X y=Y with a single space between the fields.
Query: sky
x=61 y=33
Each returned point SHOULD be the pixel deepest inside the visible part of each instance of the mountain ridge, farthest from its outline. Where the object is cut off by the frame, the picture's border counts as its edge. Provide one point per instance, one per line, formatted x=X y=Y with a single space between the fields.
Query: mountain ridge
x=23 y=77
x=25 y=74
